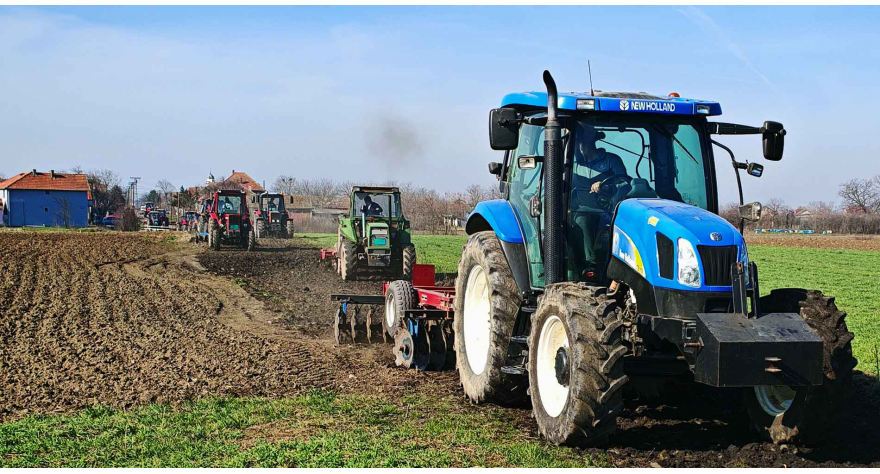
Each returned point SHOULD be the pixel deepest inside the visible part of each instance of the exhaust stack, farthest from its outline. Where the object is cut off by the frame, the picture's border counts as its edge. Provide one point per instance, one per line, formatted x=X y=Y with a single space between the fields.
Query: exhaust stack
x=553 y=253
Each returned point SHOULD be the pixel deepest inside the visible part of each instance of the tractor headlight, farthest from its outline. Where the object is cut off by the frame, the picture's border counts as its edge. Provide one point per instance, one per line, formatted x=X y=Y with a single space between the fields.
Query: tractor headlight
x=688 y=266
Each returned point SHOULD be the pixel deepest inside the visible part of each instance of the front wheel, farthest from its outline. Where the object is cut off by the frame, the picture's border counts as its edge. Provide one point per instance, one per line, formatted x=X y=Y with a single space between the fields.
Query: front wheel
x=784 y=414
x=576 y=374
x=486 y=307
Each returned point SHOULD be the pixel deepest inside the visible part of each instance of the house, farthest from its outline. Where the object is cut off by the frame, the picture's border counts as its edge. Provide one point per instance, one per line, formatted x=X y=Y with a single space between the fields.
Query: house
x=803 y=216
x=241 y=180
x=46 y=199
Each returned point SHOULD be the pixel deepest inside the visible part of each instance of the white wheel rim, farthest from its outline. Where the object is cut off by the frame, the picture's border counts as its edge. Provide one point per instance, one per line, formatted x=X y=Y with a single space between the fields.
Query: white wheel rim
x=477 y=322
x=774 y=399
x=389 y=311
x=553 y=394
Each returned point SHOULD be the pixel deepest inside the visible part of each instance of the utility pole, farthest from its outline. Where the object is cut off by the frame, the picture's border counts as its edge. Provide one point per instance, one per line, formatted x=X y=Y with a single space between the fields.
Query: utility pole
x=134 y=186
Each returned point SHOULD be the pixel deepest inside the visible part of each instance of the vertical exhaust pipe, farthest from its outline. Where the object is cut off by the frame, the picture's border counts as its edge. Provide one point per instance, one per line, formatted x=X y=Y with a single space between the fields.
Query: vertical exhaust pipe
x=553 y=253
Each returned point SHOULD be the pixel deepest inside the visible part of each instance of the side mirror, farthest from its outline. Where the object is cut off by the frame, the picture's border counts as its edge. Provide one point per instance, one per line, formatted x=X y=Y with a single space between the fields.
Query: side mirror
x=495 y=168
x=503 y=129
x=773 y=140
x=751 y=211
x=528 y=162
x=755 y=170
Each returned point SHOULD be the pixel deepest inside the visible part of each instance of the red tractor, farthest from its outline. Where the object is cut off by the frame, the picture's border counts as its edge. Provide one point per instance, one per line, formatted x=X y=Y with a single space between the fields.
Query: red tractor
x=229 y=222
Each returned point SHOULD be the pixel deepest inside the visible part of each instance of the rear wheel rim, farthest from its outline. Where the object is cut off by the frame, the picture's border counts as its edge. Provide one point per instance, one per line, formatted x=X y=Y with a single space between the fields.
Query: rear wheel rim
x=774 y=399
x=477 y=322
x=553 y=394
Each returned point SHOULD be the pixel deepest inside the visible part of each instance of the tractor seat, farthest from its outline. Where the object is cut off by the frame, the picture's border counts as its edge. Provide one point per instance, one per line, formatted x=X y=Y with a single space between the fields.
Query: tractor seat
x=640 y=189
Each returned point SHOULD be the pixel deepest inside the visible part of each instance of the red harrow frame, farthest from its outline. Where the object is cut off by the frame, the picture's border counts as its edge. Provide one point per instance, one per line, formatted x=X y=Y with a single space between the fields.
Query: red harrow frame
x=417 y=315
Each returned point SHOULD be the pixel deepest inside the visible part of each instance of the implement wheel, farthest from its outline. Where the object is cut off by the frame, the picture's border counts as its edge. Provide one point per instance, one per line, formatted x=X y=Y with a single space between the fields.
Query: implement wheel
x=486 y=307
x=576 y=374
x=399 y=298
x=784 y=414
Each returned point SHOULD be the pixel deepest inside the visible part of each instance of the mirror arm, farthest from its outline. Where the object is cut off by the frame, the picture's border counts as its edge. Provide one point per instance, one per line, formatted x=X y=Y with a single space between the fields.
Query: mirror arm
x=739 y=186
x=722 y=128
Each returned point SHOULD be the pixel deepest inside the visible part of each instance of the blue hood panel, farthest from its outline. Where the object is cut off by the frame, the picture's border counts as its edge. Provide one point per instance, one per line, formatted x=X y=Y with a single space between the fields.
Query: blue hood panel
x=639 y=220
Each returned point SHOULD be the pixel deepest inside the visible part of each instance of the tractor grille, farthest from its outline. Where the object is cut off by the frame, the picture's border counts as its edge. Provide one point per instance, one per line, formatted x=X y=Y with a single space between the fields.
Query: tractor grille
x=717 y=262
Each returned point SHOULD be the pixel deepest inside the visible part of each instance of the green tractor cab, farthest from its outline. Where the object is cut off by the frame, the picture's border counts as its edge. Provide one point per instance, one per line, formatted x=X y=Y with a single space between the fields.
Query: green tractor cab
x=374 y=236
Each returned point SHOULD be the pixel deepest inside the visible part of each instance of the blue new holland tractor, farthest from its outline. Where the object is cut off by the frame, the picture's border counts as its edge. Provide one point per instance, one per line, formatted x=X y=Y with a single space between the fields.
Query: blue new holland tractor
x=606 y=267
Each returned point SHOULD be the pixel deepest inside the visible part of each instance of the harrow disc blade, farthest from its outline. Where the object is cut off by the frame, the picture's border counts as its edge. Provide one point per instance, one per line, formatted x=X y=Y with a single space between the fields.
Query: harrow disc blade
x=403 y=349
x=449 y=336
x=437 y=348
x=421 y=350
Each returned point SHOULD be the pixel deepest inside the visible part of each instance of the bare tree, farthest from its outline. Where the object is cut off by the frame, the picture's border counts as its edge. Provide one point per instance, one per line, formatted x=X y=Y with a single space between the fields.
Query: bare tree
x=321 y=191
x=2 y=177
x=166 y=188
x=861 y=194
x=64 y=212
x=284 y=184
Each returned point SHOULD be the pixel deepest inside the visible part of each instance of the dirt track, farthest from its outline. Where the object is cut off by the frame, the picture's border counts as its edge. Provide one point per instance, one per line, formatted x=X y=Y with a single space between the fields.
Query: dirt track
x=123 y=320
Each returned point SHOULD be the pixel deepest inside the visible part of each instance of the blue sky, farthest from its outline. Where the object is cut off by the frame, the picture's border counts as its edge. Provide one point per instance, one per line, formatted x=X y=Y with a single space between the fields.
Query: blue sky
x=404 y=93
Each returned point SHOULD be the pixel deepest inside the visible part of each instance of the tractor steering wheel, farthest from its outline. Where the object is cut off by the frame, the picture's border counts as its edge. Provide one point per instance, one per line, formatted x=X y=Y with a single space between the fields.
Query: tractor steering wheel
x=608 y=189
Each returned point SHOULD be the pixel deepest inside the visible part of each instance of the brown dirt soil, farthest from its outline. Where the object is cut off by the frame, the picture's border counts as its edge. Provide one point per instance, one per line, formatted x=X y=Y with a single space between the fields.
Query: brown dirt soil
x=125 y=319
x=845 y=242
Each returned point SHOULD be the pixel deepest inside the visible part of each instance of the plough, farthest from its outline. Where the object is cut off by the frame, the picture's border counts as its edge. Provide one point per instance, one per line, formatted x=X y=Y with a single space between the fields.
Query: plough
x=417 y=316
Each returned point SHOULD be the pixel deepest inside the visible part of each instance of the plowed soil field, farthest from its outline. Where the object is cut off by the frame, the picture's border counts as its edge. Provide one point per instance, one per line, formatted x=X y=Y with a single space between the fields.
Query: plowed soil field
x=126 y=320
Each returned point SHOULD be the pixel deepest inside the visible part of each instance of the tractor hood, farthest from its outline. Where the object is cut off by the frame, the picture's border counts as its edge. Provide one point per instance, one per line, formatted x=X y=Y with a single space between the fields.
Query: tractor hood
x=641 y=230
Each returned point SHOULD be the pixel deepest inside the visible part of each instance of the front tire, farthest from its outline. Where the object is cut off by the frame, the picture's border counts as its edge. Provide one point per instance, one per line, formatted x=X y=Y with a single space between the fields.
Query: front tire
x=785 y=414
x=576 y=374
x=348 y=260
x=486 y=307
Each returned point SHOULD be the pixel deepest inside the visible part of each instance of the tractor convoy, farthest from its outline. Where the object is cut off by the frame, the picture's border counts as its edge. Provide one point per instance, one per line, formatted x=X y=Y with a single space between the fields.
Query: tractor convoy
x=605 y=267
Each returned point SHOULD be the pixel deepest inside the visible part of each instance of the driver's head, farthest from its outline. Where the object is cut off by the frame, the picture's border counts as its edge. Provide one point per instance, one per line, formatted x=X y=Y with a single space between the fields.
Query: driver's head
x=368 y=200
x=587 y=139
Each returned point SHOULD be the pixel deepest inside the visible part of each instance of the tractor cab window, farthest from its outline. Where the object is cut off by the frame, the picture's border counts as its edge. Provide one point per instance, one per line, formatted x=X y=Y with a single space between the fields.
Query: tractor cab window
x=625 y=157
x=229 y=205
x=274 y=204
x=376 y=204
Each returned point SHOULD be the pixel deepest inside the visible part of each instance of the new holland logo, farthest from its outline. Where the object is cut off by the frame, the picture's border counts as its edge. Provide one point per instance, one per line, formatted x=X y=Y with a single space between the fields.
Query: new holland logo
x=624 y=104
x=646 y=106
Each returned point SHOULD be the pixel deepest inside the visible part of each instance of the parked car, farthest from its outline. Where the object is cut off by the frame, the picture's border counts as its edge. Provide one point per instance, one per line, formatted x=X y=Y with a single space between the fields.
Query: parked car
x=111 y=220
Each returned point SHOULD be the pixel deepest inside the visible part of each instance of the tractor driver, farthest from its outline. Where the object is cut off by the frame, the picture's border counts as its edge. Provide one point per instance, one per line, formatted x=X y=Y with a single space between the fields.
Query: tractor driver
x=227 y=204
x=371 y=208
x=592 y=166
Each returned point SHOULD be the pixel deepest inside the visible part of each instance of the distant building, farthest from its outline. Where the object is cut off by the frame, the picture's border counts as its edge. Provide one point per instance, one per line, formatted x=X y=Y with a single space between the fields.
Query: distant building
x=46 y=199
x=210 y=179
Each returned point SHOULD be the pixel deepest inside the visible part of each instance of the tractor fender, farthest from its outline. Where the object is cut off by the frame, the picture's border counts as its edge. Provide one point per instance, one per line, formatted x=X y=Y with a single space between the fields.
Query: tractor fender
x=498 y=216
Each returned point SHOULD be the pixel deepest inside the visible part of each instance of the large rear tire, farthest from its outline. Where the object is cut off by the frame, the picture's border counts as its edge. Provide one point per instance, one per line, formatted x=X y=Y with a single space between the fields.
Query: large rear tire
x=486 y=307
x=251 y=240
x=214 y=235
x=576 y=374
x=348 y=260
x=399 y=298
x=288 y=226
x=261 y=228
x=785 y=414
x=409 y=259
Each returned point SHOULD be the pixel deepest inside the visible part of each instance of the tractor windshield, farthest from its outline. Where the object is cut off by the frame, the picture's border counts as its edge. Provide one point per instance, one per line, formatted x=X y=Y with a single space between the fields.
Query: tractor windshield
x=274 y=204
x=229 y=205
x=376 y=204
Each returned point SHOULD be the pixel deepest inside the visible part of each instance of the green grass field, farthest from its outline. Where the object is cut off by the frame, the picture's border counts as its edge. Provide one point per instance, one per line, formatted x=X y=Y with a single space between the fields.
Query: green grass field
x=852 y=276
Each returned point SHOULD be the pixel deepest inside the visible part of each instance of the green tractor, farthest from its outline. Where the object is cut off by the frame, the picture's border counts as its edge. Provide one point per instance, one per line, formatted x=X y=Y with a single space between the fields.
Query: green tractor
x=374 y=236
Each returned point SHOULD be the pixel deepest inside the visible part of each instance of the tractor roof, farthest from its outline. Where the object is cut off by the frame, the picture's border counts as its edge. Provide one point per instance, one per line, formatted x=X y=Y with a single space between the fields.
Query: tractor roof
x=622 y=102
x=375 y=189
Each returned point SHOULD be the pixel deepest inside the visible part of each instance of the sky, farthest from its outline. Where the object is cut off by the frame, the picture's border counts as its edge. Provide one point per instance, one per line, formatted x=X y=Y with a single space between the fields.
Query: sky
x=403 y=93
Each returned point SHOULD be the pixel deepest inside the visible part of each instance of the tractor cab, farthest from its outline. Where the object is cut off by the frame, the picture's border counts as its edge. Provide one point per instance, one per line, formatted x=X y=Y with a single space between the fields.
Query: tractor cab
x=229 y=221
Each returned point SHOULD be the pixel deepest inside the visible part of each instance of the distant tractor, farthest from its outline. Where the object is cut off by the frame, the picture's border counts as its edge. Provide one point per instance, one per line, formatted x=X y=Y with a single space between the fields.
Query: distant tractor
x=157 y=218
x=374 y=235
x=229 y=222
x=271 y=218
